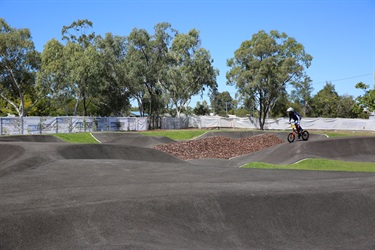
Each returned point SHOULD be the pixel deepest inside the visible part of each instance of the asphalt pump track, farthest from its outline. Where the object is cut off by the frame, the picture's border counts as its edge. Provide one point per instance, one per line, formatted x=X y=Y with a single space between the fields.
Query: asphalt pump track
x=122 y=194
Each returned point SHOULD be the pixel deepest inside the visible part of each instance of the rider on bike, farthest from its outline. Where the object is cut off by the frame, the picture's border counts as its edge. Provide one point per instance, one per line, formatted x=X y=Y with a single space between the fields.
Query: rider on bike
x=296 y=118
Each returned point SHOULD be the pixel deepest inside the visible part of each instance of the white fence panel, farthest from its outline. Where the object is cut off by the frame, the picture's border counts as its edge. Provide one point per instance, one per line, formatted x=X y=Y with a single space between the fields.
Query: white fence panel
x=71 y=124
x=202 y=122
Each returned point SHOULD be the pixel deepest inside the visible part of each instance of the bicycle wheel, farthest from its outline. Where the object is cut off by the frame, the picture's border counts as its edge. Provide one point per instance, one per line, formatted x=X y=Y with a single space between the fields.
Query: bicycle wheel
x=305 y=135
x=291 y=137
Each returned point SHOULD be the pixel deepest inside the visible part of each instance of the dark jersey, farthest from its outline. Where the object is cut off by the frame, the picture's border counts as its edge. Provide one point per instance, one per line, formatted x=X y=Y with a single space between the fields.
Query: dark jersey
x=294 y=115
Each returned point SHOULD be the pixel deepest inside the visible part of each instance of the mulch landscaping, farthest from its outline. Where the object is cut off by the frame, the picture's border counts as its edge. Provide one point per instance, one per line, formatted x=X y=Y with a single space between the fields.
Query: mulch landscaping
x=219 y=146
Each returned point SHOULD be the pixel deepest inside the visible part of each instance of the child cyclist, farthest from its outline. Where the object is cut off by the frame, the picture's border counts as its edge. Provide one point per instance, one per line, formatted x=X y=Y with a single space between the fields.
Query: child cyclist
x=296 y=119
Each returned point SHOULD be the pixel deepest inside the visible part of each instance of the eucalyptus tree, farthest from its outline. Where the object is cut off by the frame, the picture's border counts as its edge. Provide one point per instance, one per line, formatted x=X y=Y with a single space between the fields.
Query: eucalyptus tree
x=19 y=62
x=302 y=94
x=52 y=77
x=115 y=92
x=222 y=103
x=202 y=108
x=282 y=104
x=82 y=62
x=146 y=62
x=190 y=70
x=262 y=67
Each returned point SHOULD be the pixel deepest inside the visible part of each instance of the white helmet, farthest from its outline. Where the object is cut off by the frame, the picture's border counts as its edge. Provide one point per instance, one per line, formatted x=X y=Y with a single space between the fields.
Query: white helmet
x=290 y=109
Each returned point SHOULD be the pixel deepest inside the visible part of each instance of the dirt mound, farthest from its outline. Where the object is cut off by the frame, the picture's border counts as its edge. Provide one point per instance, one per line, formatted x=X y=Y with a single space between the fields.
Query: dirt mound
x=30 y=138
x=142 y=141
x=359 y=149
x=9 y=152
x=244 y=134
x=131 y=139
x=21 y=156
x=219 y=146
x=112 y=151
x=232 y=134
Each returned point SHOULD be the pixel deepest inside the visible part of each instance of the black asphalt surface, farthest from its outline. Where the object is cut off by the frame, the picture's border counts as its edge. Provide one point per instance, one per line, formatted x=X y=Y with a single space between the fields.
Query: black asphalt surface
x=121 y=194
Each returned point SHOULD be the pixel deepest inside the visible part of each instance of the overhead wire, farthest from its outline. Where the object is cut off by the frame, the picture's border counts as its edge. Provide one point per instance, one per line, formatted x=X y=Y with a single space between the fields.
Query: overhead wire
x=342 y=79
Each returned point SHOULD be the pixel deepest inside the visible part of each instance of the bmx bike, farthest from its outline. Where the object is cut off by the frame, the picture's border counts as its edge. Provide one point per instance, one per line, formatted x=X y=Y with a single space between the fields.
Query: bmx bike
x=304 y=134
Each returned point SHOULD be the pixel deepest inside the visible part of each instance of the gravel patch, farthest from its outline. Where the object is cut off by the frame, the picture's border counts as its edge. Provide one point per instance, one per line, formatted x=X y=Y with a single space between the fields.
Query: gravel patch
x=219 y=146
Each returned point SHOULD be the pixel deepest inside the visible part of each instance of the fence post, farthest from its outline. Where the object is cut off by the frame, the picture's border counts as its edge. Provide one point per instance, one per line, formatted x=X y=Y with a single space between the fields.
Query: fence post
x=84 y=124
x=57 y=125
x=70 y=124
x=40 y=125
x=1 y=126
x=22 y=124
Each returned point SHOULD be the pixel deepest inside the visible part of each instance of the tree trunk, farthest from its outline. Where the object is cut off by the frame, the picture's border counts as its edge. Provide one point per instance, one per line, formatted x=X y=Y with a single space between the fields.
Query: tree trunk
x=260 y=121
x=76 y=108
x=84 y=106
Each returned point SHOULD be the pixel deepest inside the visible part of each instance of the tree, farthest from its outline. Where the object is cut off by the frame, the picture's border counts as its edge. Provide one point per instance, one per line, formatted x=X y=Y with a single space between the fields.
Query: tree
x=281 y=105
x=348 y=107
x=367 y=100
x=248 y=105
x=326 y=102
x=82 y=62
x=72 y=70
x=114 y=94
x=19 y=62
x=190 y=70
x=302 y=94
x=145 y=64
x=202 y=109
x=262 y=67
x=222 y=103
x=52 y=76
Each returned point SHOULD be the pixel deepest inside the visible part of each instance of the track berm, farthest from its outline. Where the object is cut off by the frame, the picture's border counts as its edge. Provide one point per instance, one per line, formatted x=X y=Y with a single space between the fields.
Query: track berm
x=124 y=194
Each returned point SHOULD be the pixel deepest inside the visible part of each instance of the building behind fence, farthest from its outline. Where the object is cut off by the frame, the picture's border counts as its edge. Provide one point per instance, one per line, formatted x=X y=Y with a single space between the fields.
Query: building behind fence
x=73 y=124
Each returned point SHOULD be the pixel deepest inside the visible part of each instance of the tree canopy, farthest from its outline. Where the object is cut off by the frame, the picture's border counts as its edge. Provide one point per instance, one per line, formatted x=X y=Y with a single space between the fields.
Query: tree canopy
x=262 y=67
x=168 y=67
x=87 y=74
x=190 y=70
x=367 y=100
x=19 y=62
x=222 y=103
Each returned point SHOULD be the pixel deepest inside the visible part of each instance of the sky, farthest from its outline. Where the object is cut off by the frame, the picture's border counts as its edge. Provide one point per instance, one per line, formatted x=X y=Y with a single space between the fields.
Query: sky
x=338 y=34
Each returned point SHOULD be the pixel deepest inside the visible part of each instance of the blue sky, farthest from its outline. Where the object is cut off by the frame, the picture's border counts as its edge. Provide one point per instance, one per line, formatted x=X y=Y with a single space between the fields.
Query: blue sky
x=339 y=34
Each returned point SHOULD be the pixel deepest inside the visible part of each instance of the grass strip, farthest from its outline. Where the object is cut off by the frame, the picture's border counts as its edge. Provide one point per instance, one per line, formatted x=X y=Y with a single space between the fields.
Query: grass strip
x=332 y=134
x=176 y=134
x=187 y=134
x=318 y=165
x=83 y=137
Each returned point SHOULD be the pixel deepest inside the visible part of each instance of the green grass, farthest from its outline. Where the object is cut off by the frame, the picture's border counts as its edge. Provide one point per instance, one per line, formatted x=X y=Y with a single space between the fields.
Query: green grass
x=77 y=138
x=176 y=134
x=187 y=134
x=332 y=134
x=319 y=165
